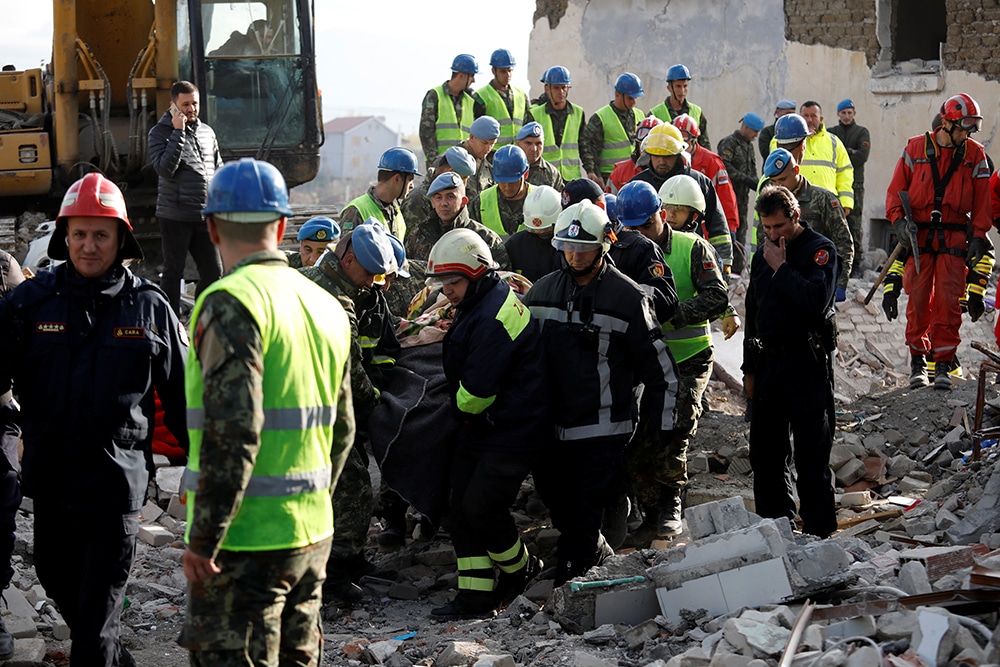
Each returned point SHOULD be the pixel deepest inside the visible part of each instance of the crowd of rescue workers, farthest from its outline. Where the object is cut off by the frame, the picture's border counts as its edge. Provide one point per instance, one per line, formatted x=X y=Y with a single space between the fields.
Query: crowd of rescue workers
x=556 y=277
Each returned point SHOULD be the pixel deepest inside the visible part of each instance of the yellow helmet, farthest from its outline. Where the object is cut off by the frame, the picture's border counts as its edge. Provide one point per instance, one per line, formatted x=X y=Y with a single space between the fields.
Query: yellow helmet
x=665 y=139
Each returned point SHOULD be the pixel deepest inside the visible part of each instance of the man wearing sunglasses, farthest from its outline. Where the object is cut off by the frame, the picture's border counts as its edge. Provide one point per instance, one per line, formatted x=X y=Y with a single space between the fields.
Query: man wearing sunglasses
x=947 y=177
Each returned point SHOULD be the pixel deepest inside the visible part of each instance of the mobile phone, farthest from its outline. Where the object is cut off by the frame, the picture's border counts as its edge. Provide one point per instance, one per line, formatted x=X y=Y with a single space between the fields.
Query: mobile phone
x=174 y=111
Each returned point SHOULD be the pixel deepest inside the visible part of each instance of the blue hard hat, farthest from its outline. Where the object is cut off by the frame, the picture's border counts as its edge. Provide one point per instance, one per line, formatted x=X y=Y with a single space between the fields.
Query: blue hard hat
x=399 y=159
x=486 y=128
x=320 y=228
x=753 y=121
x=248 y=190
x=790 y=129
x=399 y=252
x=502 y=58
x=510 y=164
x=446 y=181
x=786 y=104
x=370 y=244
x=776 y=162
x=465 y=63
x=637 y=202
x=545 y=73
x=678 y=72
x=611 y=206
x=459 y=159
x=557 y=76
x=629 y=84
x=845 y=104
x=532 y=129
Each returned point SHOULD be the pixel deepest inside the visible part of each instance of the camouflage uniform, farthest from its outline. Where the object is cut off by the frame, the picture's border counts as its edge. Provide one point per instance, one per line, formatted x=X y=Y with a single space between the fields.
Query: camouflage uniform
x=353 y=501
x=271 y=599
x=428 y=122
x=651 y=462
x=592 y=140
x=427 y=233
x=741 y=164
x=482 y=179
x=511 y=212
x=820 y=210
x=294 y=259
x=417 y=205
x=858 y=143
x=543 y=173
x=402 y=290
x=350 y=217
x=764 y=141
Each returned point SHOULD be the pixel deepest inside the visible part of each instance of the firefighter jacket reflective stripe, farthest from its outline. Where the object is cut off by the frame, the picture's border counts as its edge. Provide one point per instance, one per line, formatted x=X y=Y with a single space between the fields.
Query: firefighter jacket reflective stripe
x=711 y=164
x=448 y=130
x=566 y=157
x=493 y=362
x=496 y=107
x=617 y=145
x=489 y=211
x=601 y=341
x=369 y=208
x=287 y=503
x=85 y=356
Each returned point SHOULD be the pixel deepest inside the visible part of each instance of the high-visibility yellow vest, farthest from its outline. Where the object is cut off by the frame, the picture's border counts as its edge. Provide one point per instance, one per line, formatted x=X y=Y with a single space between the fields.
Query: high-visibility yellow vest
x=565 y=158
x=687 y=341
x=489 y=210
x=369 y=209
x=826 y=164
x=617 y=146
x=497 y=108
x=447 y=129
x=663 y=113
x=306 y=341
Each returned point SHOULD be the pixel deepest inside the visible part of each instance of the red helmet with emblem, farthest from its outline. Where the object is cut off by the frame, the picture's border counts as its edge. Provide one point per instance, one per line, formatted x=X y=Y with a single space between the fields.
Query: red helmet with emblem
x=686 y=124
x=645 y=126
x=964 y=110
x=94 y=196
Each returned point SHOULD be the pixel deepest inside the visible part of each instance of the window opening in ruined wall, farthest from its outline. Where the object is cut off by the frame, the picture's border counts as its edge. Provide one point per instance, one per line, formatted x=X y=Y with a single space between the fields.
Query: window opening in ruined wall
x=911 y=35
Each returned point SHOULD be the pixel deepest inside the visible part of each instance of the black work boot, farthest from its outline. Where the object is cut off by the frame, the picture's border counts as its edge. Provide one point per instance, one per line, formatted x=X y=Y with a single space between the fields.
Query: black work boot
x=668 y=517
x=918 y=371
x=467 y=604
x=615 y=523
x=6 y=643
x=338 y=587
x=942 y=377
x=510 y=585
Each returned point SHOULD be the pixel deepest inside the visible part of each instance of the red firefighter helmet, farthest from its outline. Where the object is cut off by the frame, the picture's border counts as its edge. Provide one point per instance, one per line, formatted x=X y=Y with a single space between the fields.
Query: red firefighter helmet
x=645 y=126
x=93 y=196
x=964 y=110
x=685 y=123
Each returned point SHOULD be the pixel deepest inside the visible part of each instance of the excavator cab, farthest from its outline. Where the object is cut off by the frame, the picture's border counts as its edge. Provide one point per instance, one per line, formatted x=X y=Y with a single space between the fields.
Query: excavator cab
x=254 y=62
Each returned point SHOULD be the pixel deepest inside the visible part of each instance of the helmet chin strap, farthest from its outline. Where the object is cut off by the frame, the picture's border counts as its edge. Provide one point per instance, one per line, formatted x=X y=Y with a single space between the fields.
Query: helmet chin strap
x=579 y=273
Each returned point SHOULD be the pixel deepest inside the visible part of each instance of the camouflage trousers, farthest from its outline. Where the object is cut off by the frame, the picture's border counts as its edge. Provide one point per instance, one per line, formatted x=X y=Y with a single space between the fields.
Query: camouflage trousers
x=655 y=459
x=353 y=504
x=262 y=609
x=855 y=223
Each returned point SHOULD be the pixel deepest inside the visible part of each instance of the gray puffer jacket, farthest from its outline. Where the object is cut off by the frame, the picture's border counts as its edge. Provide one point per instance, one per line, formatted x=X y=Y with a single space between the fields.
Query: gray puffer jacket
x=185 y=161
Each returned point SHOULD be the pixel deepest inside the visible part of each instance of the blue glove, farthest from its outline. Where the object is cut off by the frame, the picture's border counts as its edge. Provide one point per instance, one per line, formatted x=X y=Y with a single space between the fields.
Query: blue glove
x=841 y=294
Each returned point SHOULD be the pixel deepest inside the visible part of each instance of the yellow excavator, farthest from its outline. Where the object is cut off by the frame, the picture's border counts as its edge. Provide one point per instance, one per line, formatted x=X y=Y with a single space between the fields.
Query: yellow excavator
x=108 y=82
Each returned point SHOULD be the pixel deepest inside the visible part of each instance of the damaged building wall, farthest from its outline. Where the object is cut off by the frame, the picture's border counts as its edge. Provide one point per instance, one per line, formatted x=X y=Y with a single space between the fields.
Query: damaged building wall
x=746 y=56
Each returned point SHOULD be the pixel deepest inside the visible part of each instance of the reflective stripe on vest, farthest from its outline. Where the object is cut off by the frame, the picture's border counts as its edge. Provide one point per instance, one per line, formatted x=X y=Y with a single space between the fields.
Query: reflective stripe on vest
x=497 y=108
x=687 y=341
x=369 y=209
x=286 y=504
x=617 y=146
x=565 y=158
x=663 y=112
x=447 y=128
x=489 y=210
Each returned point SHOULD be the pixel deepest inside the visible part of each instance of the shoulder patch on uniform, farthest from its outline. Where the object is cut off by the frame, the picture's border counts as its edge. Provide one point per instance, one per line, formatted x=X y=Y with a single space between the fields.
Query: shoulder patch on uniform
x=834 y=203
x=722 y=177
x=865 y=144
x=708 y=265
x=129 y=332
x=50 y=327
x=821 y=257
x=656 y=269
x=346 y=226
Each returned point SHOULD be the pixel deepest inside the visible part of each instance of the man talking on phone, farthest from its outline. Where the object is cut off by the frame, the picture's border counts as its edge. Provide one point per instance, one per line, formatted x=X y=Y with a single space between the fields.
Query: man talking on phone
x=787 y=364
x=185 y=154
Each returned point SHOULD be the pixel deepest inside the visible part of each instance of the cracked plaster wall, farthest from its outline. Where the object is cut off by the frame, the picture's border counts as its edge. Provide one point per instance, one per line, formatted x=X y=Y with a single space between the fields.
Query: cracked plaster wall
x=742 y=61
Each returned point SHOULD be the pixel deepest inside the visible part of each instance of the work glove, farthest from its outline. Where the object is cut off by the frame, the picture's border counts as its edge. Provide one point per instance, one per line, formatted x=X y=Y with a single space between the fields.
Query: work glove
x=976 y=306
x=841 y=294
x=903 y=233
x=890 y=295
x=978 y=249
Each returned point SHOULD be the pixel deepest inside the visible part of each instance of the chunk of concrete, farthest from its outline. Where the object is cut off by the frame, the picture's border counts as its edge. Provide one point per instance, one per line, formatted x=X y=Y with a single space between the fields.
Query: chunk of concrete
x=717 y=517
x=156 y=536
x=491 y=660
x=752 y=637
x=28 y=652
x=851 y=472
x=840 y=455
x=168 y=480
x=861 y=626
x=150 y=512
x=630 y=606
x=637 y=635
x=896 y=625
x=600 y=635
x=911 y=483
x=176 y=508
x=934 y=637
x=18 y=615
x=817 y=562
x=727 y=591
x=443 y=555
x=457 y=654
x=865 y=656
x=582 y=659
x=913 y=578
x=901 y=465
